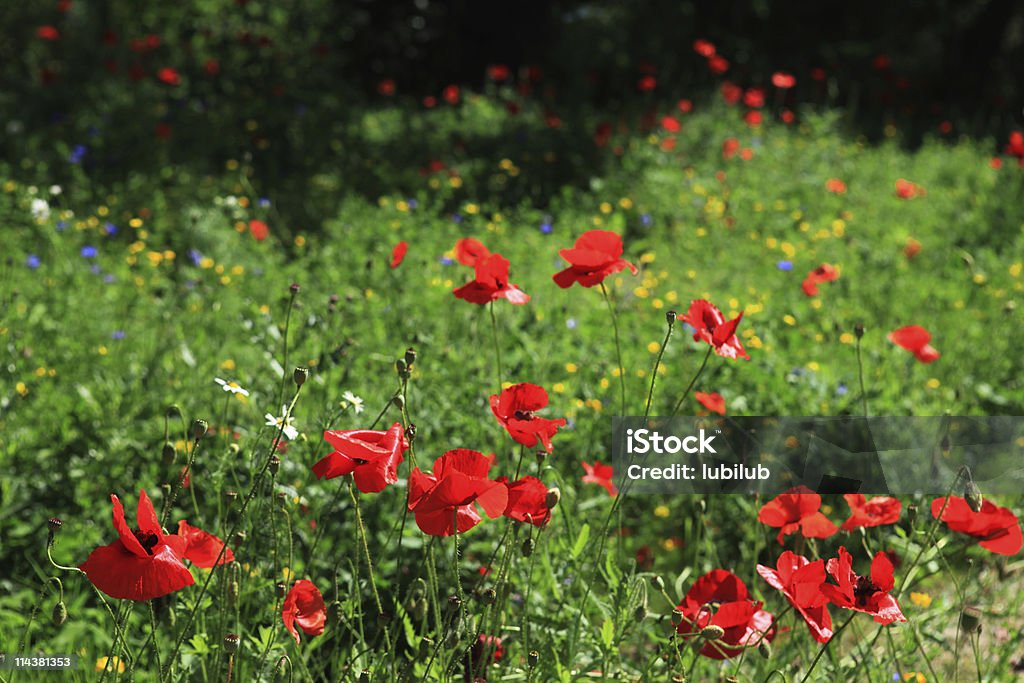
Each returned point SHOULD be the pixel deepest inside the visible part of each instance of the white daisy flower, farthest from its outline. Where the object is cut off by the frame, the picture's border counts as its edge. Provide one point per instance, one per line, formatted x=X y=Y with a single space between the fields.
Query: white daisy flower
x=290 y=432
x=355 y=401
x=232 y=387
x=40 y=209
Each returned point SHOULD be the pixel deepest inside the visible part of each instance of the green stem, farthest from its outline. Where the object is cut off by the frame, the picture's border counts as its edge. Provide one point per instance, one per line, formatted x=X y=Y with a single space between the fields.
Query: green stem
x=824 y=647
x=704 y=363
x=860 y=374
x=287 y=324
x=618 y=350
x=497 y=347
x=657 y=363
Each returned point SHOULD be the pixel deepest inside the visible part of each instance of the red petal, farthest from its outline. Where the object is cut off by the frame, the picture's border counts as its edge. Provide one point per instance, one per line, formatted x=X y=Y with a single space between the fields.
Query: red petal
x=124 y=532
x=912 y=337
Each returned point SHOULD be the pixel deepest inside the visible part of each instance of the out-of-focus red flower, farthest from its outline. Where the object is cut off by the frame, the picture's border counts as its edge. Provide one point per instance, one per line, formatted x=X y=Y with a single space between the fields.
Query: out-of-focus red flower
x=711 y=327
x=867 y=594
x=304 y=607
x=1016 y=145
x=906 y=189
x=718 y=64
x=458 y=484
x=835 y=186
x=470 y=250
x=601 y=475
x=818 y=74
x=730 y=147
x=48 y=33
x=881 y=62
x=787 y=116
x=552 y=120
x=451 y=94
x=259 y=230
x=713 y=401
x=168 y=76
x=429 y=101
x=783 y=80
x=527 y=500
x=946 y=127
x=670 y=124
x=685 y=106
x=201 y=547
x=386 y=87
x=142 y=563
x=498 y=73
x=602 y=134
x=490 y=283
x=704 y=48
x=800 y=581
x=163 y=130
x=878 y=511
x=211 y=67
x=912 y=248
x=398 y=253
x=997 y=528
x=731 y=92
x=647 y=83
x=997 y=163
x=797 y=510
x=915 y=339
x=371 y=457
x=720 y=598
x=753 y=118
x=826 y=272
x=754 y=98
x=485 y=651
x=596 y=255
x=514 y=408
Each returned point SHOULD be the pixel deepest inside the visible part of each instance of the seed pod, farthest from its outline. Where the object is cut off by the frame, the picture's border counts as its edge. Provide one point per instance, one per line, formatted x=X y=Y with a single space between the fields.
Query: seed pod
x=410 y=356
x=489 y=596
x=398 y=402
x=274 y=465
x=911 y=514
x=532 y=658
x=972 y=494
x=383 y=619
x=677 y=617
x=199 y=429
x=712 y=632
x=401 y=367
x=60 y=613
x=970 y=620
x=234 y=449
x=410 y=433
x=280 y=588
x=670 y=318
x=858 y=330
x=230 y=497
x=528 y=547
x=239 y=538
x=231 y=642
x=639 y=613
x=294 y=288
x=300 y=375
x=169 y=453
x=552 y=498
x=764 y=648
x=364 y=676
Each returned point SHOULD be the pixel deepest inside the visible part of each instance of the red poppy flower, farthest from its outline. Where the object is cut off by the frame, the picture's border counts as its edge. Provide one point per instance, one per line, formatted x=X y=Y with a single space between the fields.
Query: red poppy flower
x=753 y=118
x=1016 y=145
x=908 y=190
x=710 y=326
x=211 y=67
x=168 y=76
x=718 y=64
x=498 y=73
x=754 y=98
x=713 y=401
x=398 y=253
x=163 y=130
x=451 y=94
x=720 y=598
x=459 y=483
x=201 y=547
x=259 y=230
x=800 y=581
x=997 y=527
x=798 y=509
x=869 y=595
x=685 y=106
x=783 y=80
x=514 y=408
x=304 y=606
x=469 y=250
x=48 y=33
x=602 y=134
x=429 y=101
x=371 y=457
x=826 y=272
x=490 y=283
x=731 y=92
x=787 y=116
x=704 y=48
x=596 y=255
x=729 y=148
x=485 y=651
x=527 y=500
x=386 y=87
x=818 y=74
x=835 y=186
x=915 y=338
x=670 y=124
x=912 y=248
x=647 y=84
x=878 y=511
x=601 y=475
x=143 y=563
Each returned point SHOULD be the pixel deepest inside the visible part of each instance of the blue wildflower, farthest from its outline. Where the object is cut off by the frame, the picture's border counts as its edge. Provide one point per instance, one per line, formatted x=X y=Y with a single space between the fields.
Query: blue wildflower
x=263 y=202
x=646 y=219
x=77 y=154
x=117 y=334
x=842 y=389
x=784 y=265
x=445 y=261
x=457 y=217
x=32 y=261
x=546 y=227
x=110 y=228
x=89 y=251
x=195 y=256
x=571 y=323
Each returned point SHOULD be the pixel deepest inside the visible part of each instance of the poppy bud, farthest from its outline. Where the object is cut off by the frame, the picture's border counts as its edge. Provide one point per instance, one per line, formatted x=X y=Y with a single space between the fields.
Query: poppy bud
x=274 y=465
x=858 y=330
x=911 y=514
x=410 y=356
x=53 y=528
x=418 y=609
x=764 y=648
x=300 y=375
x=970 y=620
x=60 y=613
x=658 y=583
x=528 y=547
x=282 y=498
x=364 y=676
x=294 y=288
x=532 y=658
x=280 y=588
x=670 y=318
x=398 y=401
x=972 y=494
x=541 y=456
x=401 y=367
x=234 y=449
x=239 y=538
x=232 y=593
x=454 y=602
x=199 y=429
x=410 y=433
x=712 y=632
x=640 y=613
x=169 y=453
x=231 y=642
x=677 y=617
x=172 y=411
x=230 y=497
x=551 y=499
x=489 y=596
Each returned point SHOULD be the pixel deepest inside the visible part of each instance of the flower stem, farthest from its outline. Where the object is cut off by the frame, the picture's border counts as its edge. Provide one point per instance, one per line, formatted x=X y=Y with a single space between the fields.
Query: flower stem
x=618 y=350
x=287 y=324
x=704 y=363
x=497 y=347
x=824 y=647
x=657 y=364
x=860 y=375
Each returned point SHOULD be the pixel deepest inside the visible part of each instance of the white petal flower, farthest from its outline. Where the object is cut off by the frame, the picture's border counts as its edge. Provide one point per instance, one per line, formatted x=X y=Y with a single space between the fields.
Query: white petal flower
x=355 y=401
x=286 y=427
x=231 y=387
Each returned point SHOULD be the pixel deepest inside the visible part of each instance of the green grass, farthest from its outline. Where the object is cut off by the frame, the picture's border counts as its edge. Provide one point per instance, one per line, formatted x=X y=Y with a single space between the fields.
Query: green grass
x=82 y=413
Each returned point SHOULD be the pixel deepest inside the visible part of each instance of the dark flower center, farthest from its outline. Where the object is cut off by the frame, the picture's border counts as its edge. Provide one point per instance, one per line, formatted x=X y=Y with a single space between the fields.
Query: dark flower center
x=522 y=415
x=147 y=540
x=863 y=591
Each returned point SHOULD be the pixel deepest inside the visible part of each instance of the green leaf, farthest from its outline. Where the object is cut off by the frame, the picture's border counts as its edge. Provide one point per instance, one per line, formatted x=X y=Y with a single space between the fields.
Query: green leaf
x=608 y=633
x=581 y=541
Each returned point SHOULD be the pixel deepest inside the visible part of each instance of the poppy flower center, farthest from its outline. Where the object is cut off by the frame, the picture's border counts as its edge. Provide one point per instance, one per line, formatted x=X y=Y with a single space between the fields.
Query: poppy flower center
x=522 y=415
x=147 y=540
x=864 y=590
